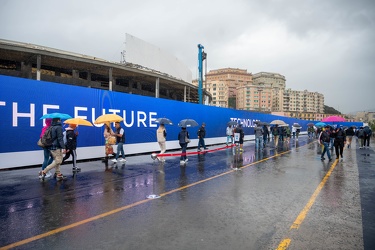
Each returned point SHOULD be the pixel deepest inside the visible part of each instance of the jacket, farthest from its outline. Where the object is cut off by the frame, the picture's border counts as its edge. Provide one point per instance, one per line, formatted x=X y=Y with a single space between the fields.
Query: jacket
x=57 y=135
x=71 y=139
x=182 y=135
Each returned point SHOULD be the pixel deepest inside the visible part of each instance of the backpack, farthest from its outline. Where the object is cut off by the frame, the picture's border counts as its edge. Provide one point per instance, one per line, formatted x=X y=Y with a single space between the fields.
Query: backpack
x=324 y=137
x=47 y=139
x=361 y=133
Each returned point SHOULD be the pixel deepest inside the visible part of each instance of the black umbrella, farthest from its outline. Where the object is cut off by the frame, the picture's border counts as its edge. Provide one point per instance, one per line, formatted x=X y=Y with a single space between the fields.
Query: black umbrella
x=164 y=121
x=232 y=123
x=296 y=125
x=187 y=123
x=310 y=124
x=263 y=123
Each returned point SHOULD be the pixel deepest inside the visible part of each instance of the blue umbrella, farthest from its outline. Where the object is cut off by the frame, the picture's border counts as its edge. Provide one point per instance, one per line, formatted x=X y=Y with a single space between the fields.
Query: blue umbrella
x=320 y=124
x=56 y=115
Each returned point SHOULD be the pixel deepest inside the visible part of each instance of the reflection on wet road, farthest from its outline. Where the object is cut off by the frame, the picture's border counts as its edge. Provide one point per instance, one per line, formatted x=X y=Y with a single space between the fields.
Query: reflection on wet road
x=205 y=204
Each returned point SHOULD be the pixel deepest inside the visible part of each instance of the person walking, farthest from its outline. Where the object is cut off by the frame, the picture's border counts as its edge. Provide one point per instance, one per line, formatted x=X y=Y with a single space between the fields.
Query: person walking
x=201 y=135
x=339 y=142
x=324 y=139
x=107 y=134
x=368 y=133
x=258 y=132
x=310 y=131
x=288 y=134
x=161 y=135
x=56 y=150
x=47 y=155
x=71 y=145
x=294 y=130
x=229 y=133
x=266 y=135
x=349 y=136
x=275 y=133
x=183 y=139
x=361 y=137
x=240 y=135
x=120 y=139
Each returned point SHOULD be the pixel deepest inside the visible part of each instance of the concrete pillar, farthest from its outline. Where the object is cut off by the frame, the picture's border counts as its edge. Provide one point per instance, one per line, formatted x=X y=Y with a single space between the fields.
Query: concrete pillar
x=110 y=78
x=75 y=73
x=157 y=88
x=185 y=94
x=38 y=66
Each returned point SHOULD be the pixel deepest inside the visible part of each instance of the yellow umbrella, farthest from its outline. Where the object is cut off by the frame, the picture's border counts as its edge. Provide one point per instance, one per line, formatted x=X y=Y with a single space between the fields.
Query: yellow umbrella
x=108 y=118
x=78 y=121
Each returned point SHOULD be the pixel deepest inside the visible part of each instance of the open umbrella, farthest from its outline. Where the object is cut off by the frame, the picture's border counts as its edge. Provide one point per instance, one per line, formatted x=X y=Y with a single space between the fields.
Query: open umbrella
x=259 y=123
x=78 y=121
x=320 y=124
x=108 y=118
x=164 y=121
x=62 y=116
x=333 y=118
x=187 y=123
x=284 y=125
x=232 y=123
x=310 y=124
x=277 y=122
x=296 y=125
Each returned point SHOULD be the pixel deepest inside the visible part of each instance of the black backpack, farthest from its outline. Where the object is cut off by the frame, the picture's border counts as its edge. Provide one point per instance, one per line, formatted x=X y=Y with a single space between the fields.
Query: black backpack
x=324 y=137
x=47 y=139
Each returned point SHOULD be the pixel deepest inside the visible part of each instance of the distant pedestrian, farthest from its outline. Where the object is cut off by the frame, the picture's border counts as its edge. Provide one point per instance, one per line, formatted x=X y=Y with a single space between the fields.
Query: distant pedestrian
x=340 y=140
x=183 y=139
x=310 y=132
x=281 y=133
x=161 y=136
x=47 y=155
x=258 y=132
x=109 y=140
x=239 y=134
x=361 y=137
x=294 y=130
x=298 y=131
x=201 y=135
x=368 y=133
x=349 y=136
x=275 y=133
x=288 y=134
x=324 y=140
x=229 y=133
x=71 y=145
x=266 y=135
x=120 y=139
x=56 y=150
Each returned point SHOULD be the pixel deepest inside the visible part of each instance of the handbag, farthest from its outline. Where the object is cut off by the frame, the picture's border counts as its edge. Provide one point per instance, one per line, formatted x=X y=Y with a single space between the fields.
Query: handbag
x=108 y=150
x=187 y=140
x=39 y=143
x=111 y=140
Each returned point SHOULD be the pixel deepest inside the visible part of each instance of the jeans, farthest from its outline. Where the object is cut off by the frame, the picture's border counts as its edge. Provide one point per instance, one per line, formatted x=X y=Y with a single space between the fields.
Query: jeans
x=47 y=158
x=201 y=143
x=183 y=152
x=120 y=150
x=326 y=149
x=229 y=139
x=258 y=141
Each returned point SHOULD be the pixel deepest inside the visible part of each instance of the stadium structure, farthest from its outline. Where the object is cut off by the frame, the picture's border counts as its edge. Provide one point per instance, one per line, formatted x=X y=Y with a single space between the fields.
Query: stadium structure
x=37 y=62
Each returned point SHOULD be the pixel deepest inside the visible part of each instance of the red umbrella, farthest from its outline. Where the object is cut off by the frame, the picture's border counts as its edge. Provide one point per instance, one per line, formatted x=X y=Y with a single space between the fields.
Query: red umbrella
x=333 y=118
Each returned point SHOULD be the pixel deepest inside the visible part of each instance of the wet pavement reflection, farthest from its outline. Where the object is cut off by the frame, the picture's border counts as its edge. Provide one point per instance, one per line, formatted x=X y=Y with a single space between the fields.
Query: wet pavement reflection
x=222 y=199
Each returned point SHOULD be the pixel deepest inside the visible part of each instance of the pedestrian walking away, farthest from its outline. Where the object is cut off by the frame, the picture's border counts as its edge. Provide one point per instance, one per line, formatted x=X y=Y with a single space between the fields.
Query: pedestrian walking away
x=239 y=135
x=361 y=137
x=266 y=135
x=120 y=139
x=349 y=136
x=275 y=133
x=71 y=145
x=56 y=150
x=340 y=140
x=258 y=132
x=367 y=136
x=324 y=140
x=183 y=139
x=201 y=135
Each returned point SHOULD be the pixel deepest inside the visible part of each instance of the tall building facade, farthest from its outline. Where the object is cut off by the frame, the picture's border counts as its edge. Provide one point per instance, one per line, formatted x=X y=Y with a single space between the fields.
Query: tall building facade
x=253 y=97
x=223 y=84
x=273 y=80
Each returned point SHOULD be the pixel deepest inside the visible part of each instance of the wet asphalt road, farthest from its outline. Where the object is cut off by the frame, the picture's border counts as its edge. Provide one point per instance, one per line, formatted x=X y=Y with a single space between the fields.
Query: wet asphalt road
x=279 y=197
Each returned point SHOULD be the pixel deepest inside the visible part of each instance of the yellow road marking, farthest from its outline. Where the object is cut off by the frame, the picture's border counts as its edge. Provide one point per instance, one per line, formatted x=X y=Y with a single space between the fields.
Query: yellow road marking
x=302 y=215
x=283 y=244
x=79 y=223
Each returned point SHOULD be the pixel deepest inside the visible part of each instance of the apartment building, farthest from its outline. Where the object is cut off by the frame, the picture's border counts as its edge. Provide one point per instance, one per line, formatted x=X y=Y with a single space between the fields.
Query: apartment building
x=273 y=80
x=223 y=84
x=252 y=97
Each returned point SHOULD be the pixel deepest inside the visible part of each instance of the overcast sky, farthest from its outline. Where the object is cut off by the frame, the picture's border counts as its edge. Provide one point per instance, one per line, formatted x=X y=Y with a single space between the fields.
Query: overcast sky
x=327 y=46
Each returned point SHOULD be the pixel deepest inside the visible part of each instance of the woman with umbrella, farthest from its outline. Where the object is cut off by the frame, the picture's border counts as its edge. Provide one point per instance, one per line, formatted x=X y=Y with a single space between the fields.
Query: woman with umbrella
x=183 y=138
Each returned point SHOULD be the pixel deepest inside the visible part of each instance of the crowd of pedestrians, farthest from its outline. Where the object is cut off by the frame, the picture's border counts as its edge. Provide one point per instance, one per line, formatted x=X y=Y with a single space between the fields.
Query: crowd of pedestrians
x=66 y=143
